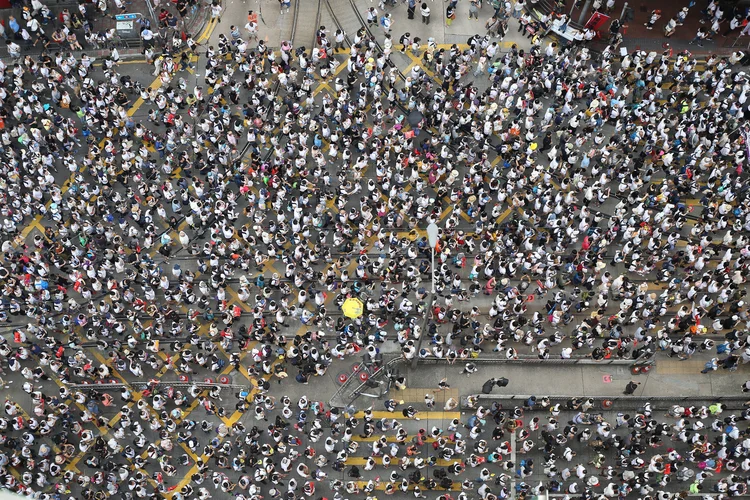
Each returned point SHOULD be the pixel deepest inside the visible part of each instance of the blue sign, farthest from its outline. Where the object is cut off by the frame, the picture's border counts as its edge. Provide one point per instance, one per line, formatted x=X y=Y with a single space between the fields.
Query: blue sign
x=126 y=17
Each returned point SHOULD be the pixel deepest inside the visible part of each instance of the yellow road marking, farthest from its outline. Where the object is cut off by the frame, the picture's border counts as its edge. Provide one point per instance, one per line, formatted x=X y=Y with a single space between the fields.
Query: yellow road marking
x=381 y=486
x=423 y=415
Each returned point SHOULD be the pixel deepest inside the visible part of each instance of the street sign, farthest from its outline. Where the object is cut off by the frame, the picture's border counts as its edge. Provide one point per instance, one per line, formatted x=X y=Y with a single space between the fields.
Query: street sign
x=432 y=234
x=126 y=25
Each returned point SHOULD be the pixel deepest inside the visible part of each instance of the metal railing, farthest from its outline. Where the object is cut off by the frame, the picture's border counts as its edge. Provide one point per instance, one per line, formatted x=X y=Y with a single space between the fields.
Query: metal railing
x=338 y=400
x=613 y=403
x=530 y=359
x=547 y=7
x=161 y=383
x=151 y=12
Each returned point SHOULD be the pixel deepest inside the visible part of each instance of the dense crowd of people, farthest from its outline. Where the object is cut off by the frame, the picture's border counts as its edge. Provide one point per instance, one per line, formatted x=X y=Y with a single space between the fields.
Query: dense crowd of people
x=244 y=207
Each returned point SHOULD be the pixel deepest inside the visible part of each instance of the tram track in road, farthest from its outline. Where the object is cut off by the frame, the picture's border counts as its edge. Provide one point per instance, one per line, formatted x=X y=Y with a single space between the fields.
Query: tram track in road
x=338 y=23
x=294 y=21
x=306 y=19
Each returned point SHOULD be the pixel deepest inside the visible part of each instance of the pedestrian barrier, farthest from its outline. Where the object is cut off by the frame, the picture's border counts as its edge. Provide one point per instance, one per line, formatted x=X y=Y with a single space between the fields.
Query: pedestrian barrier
x=605 y=402
x=529 y=359
x=139 y=385
x=340 y=399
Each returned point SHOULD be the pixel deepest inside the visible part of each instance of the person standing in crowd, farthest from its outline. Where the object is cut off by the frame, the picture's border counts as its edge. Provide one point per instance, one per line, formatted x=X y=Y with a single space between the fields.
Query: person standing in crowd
x=222 y=225
x=425 y=11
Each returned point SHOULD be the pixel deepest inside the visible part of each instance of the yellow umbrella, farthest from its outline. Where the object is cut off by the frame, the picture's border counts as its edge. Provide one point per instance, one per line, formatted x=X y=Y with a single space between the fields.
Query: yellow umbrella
x=353 y=307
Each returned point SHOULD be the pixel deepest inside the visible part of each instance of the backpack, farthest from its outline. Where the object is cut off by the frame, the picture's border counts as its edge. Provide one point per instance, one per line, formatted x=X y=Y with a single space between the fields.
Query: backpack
x=382 y=21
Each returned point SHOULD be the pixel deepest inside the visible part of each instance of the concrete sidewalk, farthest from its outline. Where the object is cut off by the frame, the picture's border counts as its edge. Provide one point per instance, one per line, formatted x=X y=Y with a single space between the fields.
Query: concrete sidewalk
x=668 y=377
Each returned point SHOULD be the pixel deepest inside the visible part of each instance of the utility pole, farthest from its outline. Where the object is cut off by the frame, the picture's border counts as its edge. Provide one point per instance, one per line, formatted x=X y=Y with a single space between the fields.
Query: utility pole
x=584 y=12
x=624 y=8
x=515 y=463
x=432 y=238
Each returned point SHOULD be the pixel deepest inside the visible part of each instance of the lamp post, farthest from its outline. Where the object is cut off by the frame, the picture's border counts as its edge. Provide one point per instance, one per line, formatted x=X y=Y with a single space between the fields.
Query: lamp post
x=432 y=238
x=584 y=11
